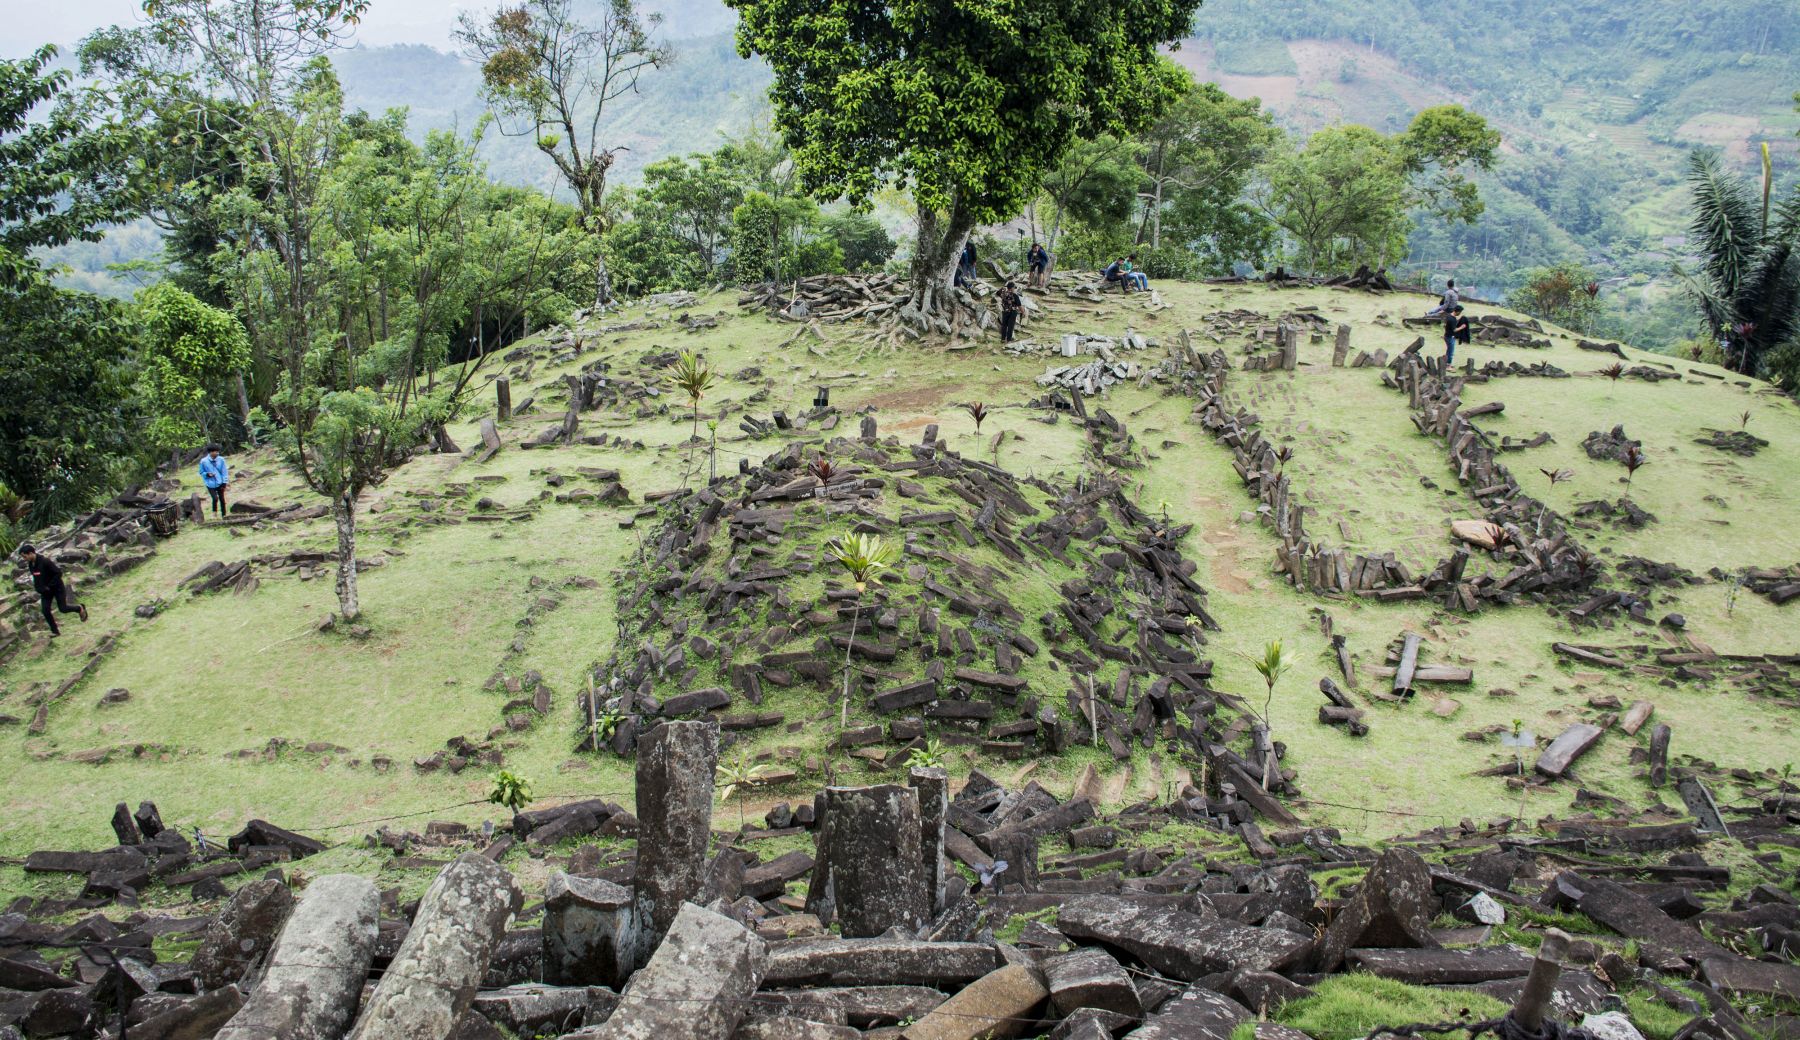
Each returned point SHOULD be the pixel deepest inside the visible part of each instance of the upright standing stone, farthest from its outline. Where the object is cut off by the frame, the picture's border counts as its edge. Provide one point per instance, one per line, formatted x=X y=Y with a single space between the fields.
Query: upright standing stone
x=868 y=427
x=869 y=850
x=1392 y=909
x=933 y=786
x=587 y=932
x=316 y=971
x=125 y=827
x=1341 y=349
x=675 y=767
x=433 y=978
x=698 y=984
x=503 y=397
x=1659 y=754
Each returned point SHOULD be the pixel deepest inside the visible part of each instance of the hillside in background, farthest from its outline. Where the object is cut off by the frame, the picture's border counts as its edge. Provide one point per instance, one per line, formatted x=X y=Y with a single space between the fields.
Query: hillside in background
x=1599 y=106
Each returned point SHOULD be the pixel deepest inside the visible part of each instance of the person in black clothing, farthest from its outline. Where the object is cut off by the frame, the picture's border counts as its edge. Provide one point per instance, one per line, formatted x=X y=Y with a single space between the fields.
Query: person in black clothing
x=1010 y=306
x=1456 y=330
x=965 y=266
x=47 y=579
x=1038 y=262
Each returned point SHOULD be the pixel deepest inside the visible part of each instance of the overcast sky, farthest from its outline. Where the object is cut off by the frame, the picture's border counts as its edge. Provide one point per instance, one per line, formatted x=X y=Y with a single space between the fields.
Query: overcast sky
x=63 y=22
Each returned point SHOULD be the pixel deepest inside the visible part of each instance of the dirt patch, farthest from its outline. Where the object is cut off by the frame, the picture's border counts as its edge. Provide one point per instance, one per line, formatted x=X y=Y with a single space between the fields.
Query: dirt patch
x=918 y=398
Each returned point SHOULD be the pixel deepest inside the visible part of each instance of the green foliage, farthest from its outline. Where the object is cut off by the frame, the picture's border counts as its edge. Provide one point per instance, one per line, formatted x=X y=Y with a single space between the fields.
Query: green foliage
x=1437 y=148
x=755 y=231
x=65 y=389
x=1198 y=160
x=65 y=171
x=189 y=348
x=353 y=437
x=861 y=240
x=1341 y=198
x=930 y=756
x=1352 y=1006
x=511 y=791
x=1567 y=294
x=862 y=556
x=965 y=105
x=1747 y=286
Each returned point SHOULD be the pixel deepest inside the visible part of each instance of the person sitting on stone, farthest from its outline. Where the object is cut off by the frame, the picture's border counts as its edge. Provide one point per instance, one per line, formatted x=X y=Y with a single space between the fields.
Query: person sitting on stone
x=1139 y=279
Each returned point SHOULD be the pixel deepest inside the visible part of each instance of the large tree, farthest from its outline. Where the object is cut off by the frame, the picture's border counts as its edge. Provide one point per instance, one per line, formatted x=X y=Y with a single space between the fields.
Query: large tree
x=550 y=73
x=965 y=104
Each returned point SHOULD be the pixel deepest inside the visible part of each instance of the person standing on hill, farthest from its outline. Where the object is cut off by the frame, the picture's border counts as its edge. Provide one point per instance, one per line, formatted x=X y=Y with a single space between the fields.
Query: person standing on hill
x=965 y=267
x=1010 y=306
x=47 y=579
x=216 y=475
x=1037 y=263
x=1456 y=330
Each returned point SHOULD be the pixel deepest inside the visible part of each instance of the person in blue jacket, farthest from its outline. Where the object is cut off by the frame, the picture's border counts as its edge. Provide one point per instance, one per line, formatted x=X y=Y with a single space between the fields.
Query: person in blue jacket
x=216 y=475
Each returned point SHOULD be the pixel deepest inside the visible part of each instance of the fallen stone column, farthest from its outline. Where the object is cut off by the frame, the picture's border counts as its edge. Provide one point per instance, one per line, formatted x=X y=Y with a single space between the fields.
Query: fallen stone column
x=587 y=932
x=675 y=768
x=434 y=976
x=696 y=986
x=316 y=970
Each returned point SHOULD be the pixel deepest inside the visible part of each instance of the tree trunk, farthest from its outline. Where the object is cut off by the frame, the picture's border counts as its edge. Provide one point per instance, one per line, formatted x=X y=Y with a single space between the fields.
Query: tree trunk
x=939 y=244
x=601 y=288
x=343 y=511
x=243 y=399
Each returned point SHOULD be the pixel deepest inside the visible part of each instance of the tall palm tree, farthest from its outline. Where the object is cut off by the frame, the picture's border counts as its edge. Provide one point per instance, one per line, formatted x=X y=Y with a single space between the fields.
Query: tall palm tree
x=1748 y=283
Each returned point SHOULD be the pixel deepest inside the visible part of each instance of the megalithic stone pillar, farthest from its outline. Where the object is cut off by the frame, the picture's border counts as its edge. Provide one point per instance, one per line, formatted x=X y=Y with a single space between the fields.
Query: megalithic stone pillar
x=933 y=786
x=676 y=762
x=503 y=397
x=1659 y=755
x=316 y=970
x=440 y=964
x=587 y=932
x=877 y=876
x=697 y=986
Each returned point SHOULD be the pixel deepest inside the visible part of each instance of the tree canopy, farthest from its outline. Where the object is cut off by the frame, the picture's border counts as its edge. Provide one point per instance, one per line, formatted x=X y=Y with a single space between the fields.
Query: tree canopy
x=966 y=105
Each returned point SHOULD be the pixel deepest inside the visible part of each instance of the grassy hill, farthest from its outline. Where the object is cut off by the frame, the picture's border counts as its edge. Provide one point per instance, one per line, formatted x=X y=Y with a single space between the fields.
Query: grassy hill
x=486 y=580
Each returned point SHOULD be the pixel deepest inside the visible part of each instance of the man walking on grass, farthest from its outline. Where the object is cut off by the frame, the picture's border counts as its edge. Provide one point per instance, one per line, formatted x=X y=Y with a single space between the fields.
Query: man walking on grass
x=47 y=579
x=1456 y=330
x=1010 y=306
x=216 y=475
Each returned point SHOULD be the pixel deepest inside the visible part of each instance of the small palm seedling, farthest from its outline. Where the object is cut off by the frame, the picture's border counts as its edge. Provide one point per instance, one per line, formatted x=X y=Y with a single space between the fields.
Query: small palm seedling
x=1271 y=666
x=1555 y=476
x=712 y=450
x=823 y=469
x=1633 y=458
x=734 y=777
x=864 y=557
x=602 y=728
x=510 y=790
x=694 y=377
x=977 y=411
x=1744 y=420
x=1283 y=456
x=1613 y=371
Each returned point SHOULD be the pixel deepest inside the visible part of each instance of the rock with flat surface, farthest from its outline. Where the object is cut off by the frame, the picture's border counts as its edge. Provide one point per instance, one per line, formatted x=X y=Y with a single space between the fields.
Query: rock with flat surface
x=1091 y=978
x=1444 y=967
x=315 y=972
x=886 y=961
x=1193 y=1014
x=1758 y=978
x=869 y=849
x=434 y=975
x=532 y=1010
x=999 y=1004
x=587 y=932
x=865 y=1007
x=1392 y=908
x=1570 y=745
x=698 y=984
x=1180 y=944
x=195 y=1019
x=241 y=935
x=1635 y=917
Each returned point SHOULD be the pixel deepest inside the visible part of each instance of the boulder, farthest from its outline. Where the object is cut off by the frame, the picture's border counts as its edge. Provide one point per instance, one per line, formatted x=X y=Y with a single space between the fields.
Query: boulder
x=999 y=1004
x=1393 y=908
x=698 y=983
x=587 y=932
x=239 y=938
x=870 y=873
x=315 y=971
x=1180 y=944
x=1091 y=978
x=195 y=1019
x=433 y=978
x=1193 y=1014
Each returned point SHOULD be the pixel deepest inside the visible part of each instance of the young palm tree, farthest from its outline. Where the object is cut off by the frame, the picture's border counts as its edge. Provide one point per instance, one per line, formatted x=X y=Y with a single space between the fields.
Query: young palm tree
x=864 y=557
x=1748 y=284
x=694 y=377
x=1271 y=666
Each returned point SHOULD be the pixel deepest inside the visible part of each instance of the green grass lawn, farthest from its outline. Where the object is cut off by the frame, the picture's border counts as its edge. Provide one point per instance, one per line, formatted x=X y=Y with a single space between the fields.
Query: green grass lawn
x=215 y=679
